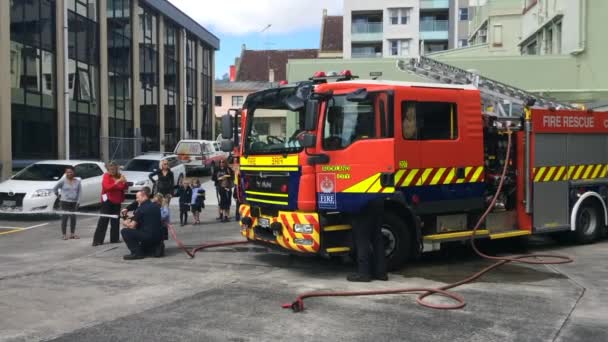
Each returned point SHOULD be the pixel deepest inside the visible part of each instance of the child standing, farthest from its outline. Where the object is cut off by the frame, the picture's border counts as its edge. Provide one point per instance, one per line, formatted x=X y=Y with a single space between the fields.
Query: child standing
x=185 y=197
x=198 y=201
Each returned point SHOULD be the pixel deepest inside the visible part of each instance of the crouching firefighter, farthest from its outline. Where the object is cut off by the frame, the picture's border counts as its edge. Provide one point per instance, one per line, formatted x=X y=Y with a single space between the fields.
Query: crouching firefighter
x=369 y=243
x=143 y=231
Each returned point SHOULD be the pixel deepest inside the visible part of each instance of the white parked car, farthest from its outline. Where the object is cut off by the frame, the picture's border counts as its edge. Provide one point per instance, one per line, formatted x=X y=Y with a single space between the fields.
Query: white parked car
x=31 y=190
x=137 y=170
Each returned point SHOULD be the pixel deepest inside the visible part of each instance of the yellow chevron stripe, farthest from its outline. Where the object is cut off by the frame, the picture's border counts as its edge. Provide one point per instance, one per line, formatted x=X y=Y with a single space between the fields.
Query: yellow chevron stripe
x=410 y=177
x=538 y=174
x=424 y=176
x=376 y=187
x=363 y=185
x=477 y=174
x=579 y=170
x=549 y=174
x=604 y=171
x=450 y=176
x=398 y=176
x=570 y=172
x=437 y=176
x=588 y=169
x=597 y=170
x=560 y=173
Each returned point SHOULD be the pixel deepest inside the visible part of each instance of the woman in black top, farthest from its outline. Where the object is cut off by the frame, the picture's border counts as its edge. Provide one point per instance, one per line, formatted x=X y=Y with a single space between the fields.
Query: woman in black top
x=165 y=183
x=223 y=178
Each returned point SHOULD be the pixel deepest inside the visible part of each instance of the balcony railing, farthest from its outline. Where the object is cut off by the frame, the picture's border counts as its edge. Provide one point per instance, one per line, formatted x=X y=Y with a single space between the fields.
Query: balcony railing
x=433 y=25
x=366 y=28
x=365 y=52
x=434 y=4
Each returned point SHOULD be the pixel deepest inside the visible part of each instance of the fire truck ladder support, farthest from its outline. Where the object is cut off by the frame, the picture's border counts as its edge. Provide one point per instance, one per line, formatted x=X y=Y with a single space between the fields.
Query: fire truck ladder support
x=501 y=97
x=298 y=304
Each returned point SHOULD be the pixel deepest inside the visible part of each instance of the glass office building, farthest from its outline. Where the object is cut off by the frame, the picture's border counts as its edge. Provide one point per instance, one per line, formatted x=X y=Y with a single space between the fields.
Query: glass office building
x=125 y=73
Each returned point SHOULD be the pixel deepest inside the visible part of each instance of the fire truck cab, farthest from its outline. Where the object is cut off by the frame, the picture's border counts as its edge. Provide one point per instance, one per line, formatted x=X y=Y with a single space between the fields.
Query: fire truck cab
x=433 y=152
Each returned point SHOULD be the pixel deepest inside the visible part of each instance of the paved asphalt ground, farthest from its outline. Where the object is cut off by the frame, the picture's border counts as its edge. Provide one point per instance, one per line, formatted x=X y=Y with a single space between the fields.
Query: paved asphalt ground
x=69 y=291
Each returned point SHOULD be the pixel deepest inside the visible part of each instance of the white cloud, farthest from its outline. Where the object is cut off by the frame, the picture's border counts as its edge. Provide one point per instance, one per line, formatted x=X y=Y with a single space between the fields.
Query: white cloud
x=250 y=16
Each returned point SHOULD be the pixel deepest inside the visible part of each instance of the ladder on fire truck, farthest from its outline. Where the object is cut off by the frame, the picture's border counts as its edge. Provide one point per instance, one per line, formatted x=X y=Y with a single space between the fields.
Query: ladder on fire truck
x=497 y=98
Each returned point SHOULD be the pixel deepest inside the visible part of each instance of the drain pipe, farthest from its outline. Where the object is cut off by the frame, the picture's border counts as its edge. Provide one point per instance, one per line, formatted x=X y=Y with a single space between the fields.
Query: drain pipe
x=66 y=83
x=582 y=28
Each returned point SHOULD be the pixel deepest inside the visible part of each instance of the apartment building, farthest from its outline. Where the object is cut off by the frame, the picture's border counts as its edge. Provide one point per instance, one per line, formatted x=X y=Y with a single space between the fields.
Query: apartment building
x=125 y=77
x=401 y=28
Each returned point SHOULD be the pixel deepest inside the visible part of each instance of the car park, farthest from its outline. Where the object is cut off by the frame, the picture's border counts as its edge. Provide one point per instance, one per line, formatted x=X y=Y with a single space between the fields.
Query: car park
x=30 y=191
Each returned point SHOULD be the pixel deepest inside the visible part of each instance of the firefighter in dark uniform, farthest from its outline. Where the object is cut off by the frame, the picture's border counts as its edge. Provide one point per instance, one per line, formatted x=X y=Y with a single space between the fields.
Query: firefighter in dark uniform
x=369 y=243
x=144 y=229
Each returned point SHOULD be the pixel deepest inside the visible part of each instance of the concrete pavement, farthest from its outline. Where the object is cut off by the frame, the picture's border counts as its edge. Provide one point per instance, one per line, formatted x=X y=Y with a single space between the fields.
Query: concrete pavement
x=69 y=291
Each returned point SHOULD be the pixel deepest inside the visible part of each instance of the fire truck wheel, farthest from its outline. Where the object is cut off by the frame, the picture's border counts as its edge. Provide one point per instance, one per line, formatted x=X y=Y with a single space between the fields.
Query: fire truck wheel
x=397 y=241
x=588 y=222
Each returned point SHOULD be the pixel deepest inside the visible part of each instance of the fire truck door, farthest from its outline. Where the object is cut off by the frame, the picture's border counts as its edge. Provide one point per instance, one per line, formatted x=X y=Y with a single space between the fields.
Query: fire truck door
x=358 y=138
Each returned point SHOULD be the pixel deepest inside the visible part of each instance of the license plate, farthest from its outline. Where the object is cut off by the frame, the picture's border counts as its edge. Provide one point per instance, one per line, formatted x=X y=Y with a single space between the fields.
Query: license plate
x=264 y=222
x=9 y=203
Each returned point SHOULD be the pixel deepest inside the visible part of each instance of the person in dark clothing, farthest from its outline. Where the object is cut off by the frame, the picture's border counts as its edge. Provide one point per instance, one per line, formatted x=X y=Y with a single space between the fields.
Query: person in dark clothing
x=144 y=229
x=134 y=205
x=164 y=182
x=184 y=192
x=224 y=180
x=113 y=187
x=367 y=233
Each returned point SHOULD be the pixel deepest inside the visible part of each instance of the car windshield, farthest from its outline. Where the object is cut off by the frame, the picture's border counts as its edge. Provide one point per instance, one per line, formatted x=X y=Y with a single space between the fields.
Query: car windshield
x=41 y=172
x=188 y=148
x=141 y=165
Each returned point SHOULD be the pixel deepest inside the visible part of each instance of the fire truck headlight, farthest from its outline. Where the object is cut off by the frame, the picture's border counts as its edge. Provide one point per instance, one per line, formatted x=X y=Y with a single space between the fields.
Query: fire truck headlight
x=303 y=228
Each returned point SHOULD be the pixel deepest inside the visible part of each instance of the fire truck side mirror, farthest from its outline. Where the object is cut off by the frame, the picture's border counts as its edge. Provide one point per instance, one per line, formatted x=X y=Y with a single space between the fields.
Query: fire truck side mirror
x=310 y=116
x=227 y=126
x=226 y=145
x=308 y=140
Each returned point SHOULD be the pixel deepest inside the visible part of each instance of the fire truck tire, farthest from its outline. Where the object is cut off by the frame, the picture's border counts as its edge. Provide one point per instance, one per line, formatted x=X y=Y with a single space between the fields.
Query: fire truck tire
x=589 y=220
x=398 y=241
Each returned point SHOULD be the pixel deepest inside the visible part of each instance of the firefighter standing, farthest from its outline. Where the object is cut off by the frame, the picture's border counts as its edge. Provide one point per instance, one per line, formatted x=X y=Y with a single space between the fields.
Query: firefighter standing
x=371 y=263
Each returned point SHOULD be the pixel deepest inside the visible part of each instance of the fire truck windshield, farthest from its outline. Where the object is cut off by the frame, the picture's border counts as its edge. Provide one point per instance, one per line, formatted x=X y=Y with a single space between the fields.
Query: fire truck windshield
x=272 y=131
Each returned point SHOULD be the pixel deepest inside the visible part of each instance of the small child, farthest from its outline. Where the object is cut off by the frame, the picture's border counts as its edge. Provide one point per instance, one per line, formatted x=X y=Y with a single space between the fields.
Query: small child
x=165 y=213
x=198 y=201
x=185 y=197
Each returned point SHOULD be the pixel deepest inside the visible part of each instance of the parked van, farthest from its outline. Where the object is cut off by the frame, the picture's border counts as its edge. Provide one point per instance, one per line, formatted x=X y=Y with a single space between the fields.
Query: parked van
x=199 y=155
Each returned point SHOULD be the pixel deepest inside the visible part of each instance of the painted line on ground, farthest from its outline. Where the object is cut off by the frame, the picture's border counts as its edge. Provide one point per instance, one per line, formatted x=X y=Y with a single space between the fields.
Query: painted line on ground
x=11 y=231
x=20 y=229
x=37 y=226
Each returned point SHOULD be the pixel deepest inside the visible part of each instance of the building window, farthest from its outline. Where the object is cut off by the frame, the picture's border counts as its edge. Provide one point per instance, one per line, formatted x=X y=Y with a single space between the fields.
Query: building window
x=400 y=47
x=83 y=71
x=218 y=101
x=549 y=41
x=32 y=79
x=429 y=120
x=531 y=48
x=558 y=38
x=171 y=90
x=400 y=16
x=237 y=101
x=497 y=39
x=463 y=13
x=191 y=87
x=148 y=78
x=206 y=95
x=463 y=43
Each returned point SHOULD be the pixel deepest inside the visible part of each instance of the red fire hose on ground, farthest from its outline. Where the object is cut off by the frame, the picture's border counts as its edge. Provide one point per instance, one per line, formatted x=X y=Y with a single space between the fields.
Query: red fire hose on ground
x=192 y=252
x=298 y=304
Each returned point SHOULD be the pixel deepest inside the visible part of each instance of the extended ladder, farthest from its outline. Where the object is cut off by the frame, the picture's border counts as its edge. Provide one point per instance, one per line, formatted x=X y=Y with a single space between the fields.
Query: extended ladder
x=497 y=98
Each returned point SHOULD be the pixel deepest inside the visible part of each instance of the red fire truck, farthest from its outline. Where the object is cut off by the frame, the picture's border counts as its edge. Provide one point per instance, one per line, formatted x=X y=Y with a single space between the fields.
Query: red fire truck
x=314 y=153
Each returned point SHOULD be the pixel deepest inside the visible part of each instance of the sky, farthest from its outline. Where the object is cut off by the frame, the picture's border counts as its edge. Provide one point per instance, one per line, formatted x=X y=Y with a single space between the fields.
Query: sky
x=294 y=24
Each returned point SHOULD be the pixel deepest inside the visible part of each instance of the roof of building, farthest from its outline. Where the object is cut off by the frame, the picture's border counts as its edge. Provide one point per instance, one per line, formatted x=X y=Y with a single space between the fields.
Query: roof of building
x=331 y=33
x=242 y=85
x=255 y=65
x=182 y=19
